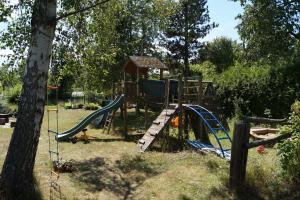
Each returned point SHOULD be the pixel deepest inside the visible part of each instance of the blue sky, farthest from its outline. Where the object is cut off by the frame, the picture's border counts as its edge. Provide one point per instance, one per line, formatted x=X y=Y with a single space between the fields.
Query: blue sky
x=222 y=12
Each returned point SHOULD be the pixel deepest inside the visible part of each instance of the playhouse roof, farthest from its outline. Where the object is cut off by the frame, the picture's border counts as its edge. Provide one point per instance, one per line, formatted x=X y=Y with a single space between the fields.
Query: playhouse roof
x=143 y=63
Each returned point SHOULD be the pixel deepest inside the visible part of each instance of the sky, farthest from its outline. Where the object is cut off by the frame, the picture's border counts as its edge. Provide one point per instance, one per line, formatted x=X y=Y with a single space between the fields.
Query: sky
x=222 y=12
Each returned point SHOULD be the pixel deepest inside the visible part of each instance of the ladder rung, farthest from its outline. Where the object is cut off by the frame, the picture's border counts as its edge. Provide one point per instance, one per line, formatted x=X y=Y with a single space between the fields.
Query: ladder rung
x=153 y=134
x=142 y=141
x=54 y=173
x=54 y=152
x=205 y=112
x=223 y=138
x=210 y=119
x=217 y=128
x=156 y=122
x=226 y=149
x=49 y=110
x=50 y=131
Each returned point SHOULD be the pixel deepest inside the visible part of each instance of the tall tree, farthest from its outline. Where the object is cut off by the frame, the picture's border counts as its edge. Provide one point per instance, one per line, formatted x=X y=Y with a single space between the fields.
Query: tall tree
x=270 y=28
x=17 y=172
x=188 y=25
x=220 y=51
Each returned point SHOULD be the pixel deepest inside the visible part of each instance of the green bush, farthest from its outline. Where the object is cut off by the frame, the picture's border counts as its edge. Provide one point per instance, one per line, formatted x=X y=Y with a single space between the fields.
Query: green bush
x=245 y=88
x=4 y=109
x=68 y=105
x=206 y=69
x=259 y=90
x=289 y=150
x=14 y=94
x=91 y=106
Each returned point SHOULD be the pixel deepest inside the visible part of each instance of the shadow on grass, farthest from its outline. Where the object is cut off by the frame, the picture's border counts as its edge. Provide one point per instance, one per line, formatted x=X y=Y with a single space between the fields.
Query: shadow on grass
x=31 y=191
x=120 y=178
x=256 y=187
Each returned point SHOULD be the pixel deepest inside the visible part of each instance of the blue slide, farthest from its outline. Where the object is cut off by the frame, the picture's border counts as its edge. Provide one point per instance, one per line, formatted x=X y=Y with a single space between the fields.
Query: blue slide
x=86 y=121
x=215 y=127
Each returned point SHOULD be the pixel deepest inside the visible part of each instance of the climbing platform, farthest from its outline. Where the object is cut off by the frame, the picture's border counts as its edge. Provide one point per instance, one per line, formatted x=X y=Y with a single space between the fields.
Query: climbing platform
x=158 y=125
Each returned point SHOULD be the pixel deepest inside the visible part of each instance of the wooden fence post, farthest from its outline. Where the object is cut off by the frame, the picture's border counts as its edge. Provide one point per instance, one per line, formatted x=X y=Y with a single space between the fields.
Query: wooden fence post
x=180 y=97
x=239 y=154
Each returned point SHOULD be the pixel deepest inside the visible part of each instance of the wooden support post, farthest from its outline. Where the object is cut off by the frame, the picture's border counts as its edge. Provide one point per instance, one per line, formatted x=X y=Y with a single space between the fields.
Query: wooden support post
x=146 y=112
x=161 y=74
x=167 y=87
x=137 y=90
x=185 y=90
x=186 y=126
x=180 y=90
x=125 y=108
x=239 y=154
x=200 y=90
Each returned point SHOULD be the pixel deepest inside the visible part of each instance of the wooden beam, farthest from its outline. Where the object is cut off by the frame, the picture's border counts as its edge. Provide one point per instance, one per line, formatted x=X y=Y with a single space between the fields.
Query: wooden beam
x=263 y=120
x=161 y=74
x=200 y=90
x=180 y=89
x=268 y=141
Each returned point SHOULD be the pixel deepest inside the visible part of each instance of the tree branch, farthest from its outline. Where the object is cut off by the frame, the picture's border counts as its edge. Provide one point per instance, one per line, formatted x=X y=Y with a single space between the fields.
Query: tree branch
x=81 y=10
x=296 y=35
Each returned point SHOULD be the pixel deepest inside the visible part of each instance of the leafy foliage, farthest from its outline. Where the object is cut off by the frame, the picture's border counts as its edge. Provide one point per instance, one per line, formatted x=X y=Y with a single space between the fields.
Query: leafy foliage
x=14 y=94
x=187 y=25
x=91 y=106
x=206 y=69
x=289 y=150
x=221 y=52
x=259 y=90
x=269 y=28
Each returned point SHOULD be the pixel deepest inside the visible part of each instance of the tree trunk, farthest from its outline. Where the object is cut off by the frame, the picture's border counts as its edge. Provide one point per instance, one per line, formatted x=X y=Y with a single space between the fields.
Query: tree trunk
x=17 y=172
x=186 y=70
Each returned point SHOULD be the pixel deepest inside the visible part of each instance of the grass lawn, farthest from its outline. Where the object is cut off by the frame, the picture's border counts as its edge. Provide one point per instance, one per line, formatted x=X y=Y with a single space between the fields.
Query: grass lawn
x=111 y=168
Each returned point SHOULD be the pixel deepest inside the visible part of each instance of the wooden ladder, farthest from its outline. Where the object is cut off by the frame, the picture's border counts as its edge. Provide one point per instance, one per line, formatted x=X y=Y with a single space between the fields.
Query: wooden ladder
x=108 y=122
x=158 y=125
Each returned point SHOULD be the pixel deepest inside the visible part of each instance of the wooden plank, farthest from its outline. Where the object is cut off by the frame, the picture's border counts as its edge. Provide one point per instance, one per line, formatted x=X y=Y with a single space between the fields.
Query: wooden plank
x=263 y=120
x=155 y=129
x=268 y=141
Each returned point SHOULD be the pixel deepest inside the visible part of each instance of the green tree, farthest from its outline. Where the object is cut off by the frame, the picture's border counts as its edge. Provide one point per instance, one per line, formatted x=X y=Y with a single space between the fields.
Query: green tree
x=187 y=25
x=17 y=172
x=269 y=28
x=220 y=51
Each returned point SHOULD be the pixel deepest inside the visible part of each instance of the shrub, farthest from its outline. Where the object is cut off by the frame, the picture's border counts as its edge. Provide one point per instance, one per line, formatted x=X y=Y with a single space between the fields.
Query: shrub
x=259 y=90
x=91 y=106
x=68 y=105
x=244 y=87
x=206 y=69
x=4 y=109
x=289 y=150
x=14 y=94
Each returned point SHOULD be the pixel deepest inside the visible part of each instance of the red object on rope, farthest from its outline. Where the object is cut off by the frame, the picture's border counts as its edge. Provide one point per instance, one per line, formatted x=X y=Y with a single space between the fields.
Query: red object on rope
x=261 y=149
x=51 y=87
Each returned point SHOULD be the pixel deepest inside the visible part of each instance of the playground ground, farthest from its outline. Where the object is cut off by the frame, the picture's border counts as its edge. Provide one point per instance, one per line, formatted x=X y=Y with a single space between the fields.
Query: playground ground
x=111 y=168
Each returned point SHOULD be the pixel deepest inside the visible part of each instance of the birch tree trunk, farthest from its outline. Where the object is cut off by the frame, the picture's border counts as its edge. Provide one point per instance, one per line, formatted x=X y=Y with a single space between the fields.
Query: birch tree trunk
x=17 y=172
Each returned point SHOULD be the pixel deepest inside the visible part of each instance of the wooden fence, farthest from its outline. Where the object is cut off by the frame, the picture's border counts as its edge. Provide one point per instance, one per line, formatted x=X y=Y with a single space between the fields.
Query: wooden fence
x=241 y=144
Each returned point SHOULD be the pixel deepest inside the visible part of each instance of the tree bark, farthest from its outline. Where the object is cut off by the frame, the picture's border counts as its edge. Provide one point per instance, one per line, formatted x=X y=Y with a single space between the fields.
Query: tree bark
x=17 y=172
x=186 y=70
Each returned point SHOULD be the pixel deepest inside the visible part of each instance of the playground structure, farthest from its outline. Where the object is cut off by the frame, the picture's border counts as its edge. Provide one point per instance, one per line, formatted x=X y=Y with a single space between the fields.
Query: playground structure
x=100 y=114
x=190 y=99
